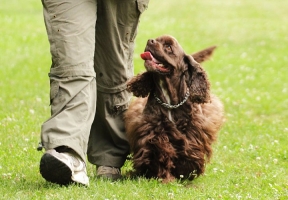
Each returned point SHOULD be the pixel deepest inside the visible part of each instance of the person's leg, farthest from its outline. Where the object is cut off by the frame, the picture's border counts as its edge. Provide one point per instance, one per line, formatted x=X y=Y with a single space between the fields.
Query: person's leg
x=115 y=33
x=71 y=31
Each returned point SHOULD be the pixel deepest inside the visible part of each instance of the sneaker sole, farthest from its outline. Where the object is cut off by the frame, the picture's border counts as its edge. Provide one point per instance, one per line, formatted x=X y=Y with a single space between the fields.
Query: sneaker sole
x=55 y=171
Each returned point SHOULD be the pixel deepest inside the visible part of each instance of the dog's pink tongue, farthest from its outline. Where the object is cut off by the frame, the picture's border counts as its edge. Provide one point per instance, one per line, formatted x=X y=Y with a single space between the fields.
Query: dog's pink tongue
x=146 y=55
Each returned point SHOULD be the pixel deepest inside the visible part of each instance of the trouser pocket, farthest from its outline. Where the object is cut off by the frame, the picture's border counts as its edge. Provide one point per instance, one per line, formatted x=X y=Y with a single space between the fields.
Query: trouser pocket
x=116 y=29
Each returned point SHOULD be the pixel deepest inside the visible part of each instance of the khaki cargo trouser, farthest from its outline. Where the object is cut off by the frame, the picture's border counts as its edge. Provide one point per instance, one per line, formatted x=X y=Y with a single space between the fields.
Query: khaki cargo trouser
x=88 y=36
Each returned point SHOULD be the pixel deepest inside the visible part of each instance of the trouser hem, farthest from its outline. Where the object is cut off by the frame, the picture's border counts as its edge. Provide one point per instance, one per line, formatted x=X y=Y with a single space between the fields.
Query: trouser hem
x=108 y=160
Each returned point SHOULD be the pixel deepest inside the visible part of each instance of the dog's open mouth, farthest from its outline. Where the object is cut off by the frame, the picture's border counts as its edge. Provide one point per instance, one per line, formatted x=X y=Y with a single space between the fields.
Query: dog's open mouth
x=152 y=63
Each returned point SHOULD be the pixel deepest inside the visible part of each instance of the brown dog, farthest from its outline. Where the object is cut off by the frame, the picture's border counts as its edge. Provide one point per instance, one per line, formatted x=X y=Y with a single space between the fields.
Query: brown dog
x=171 y=129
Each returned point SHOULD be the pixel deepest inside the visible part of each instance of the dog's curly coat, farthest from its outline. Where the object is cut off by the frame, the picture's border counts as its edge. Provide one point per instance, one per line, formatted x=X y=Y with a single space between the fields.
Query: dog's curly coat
x=172 y=143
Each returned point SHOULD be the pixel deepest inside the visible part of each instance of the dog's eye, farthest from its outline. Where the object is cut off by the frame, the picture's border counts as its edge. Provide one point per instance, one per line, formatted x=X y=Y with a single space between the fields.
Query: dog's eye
x=168 y=48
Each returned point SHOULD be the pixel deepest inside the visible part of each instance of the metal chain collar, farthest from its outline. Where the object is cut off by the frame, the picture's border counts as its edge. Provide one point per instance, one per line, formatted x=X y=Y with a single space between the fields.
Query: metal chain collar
x=169 y=106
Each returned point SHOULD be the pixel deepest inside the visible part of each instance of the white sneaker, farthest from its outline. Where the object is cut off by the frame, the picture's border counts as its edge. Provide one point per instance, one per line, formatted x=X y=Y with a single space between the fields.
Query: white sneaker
x=63 y=168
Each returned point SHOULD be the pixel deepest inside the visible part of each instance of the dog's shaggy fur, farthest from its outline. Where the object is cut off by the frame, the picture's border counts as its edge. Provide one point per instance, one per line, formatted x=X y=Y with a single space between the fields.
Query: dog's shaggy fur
x=169 y=142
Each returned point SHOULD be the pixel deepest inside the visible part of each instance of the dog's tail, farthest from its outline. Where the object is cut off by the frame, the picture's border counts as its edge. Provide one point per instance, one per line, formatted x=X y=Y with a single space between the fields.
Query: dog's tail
x=204 y=54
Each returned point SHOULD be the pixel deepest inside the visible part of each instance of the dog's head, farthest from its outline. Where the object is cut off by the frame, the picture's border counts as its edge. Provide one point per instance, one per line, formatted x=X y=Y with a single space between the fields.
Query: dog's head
x=165 y=57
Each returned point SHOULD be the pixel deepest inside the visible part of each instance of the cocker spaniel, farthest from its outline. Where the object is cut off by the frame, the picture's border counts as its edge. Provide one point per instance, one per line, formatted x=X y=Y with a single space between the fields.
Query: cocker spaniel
x=175 y=119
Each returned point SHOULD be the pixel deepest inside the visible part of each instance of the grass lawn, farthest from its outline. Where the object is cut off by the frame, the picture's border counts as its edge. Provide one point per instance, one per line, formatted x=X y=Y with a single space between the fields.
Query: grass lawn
x=248 y=72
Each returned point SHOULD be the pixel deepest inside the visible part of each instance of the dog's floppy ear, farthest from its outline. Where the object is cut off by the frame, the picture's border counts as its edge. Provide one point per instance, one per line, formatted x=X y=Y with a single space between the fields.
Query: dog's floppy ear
x=141 y=85
x=197 y=81
x=204 y=54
